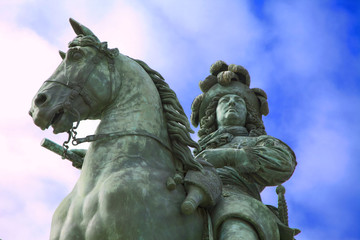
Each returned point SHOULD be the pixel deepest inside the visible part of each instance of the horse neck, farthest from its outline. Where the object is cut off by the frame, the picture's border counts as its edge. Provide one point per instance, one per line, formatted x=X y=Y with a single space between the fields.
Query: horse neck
x=137 y=108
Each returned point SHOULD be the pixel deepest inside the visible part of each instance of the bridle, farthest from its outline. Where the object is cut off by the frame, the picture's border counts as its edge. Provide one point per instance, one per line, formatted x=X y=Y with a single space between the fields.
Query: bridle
x=78 y=89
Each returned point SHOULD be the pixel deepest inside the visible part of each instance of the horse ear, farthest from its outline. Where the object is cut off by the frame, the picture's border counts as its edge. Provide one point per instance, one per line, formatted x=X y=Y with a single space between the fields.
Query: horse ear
x=81 y=29
x=62 y=54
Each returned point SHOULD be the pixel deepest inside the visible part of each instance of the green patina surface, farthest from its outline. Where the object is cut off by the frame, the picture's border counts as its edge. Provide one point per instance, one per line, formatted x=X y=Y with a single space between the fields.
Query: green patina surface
x=139 y=179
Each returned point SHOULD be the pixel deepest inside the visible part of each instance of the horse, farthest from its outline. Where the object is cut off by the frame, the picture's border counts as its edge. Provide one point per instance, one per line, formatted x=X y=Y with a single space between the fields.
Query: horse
x=141 y=142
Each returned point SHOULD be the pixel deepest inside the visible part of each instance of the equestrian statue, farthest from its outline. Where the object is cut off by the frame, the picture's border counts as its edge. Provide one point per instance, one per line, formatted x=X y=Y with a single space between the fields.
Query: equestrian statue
x=139 y=178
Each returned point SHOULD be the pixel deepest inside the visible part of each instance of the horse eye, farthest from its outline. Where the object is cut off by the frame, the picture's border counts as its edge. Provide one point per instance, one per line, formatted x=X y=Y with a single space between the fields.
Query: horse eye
x=77 y=55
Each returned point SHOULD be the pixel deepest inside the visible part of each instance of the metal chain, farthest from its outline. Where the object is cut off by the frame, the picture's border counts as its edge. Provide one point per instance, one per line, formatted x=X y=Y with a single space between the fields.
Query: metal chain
x=73 y=129
x=72 y=133
x=66 y=145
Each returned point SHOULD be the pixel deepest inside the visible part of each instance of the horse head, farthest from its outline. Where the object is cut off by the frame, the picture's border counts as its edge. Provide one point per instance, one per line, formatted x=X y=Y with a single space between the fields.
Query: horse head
x=81 y=86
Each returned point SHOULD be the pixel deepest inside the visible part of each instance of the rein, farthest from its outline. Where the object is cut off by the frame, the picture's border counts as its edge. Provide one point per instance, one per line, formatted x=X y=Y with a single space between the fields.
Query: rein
x=111 y=136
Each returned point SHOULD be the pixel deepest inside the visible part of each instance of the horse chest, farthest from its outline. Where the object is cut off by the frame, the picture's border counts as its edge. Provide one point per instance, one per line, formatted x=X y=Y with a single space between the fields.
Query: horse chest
x=127 y=197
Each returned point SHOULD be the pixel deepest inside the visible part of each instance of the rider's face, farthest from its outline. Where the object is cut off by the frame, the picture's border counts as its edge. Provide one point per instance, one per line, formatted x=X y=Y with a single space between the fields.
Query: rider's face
x=231 y=111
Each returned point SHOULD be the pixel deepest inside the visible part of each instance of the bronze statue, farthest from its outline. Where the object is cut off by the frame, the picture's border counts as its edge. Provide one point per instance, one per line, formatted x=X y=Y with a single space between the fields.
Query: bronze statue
x=139 y=179
x=130 y=185
x=233 y=139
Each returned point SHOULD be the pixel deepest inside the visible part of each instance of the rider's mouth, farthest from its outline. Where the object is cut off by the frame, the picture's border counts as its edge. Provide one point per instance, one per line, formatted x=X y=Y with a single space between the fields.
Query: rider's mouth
x=57 y=116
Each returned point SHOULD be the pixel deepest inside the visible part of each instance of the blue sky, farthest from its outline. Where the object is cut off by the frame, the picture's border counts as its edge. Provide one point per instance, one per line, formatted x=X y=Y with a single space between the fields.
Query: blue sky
x=304 y=54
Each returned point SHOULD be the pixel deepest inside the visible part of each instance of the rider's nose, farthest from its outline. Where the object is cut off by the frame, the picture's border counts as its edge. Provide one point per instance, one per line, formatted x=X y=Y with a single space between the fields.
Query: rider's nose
x=232 y=103
x=40 y=99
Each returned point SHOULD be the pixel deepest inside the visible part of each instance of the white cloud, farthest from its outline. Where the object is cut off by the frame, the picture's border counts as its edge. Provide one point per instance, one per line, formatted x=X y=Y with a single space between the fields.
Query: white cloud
x=310 y=56
x=27 y=60
x=309 y=41
x=125 y=29
x=325 y=142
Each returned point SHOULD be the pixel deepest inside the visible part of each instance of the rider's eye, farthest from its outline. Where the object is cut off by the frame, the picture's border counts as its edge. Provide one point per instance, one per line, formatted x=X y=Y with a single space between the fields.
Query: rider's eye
x=224 y=99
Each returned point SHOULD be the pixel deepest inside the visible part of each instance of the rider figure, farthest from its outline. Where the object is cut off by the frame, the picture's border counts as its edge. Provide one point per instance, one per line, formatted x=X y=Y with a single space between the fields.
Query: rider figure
x=234 y=141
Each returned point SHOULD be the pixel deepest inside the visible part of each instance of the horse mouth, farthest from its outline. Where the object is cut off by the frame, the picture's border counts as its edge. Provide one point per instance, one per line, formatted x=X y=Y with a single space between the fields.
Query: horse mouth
x=57 y=116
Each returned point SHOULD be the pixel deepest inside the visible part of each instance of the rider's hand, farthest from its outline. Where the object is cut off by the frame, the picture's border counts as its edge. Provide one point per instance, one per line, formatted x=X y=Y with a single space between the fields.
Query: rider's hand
x=217 y=157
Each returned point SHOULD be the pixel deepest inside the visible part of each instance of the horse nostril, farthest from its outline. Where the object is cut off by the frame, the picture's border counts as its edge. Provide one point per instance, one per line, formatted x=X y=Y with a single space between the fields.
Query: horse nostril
x=40 y=99
x=30 y=113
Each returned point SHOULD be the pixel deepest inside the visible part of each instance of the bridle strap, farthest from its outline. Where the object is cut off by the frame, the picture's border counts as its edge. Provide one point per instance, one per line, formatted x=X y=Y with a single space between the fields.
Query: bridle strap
x=78 y=88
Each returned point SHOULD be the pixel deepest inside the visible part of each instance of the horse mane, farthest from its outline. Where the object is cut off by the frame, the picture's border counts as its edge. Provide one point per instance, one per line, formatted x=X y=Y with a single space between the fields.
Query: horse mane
x=178 y=125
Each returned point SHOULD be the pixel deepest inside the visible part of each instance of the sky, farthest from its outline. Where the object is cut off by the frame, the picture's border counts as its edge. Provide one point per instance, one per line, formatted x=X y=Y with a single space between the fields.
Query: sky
x=305 y=54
